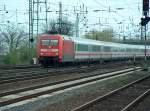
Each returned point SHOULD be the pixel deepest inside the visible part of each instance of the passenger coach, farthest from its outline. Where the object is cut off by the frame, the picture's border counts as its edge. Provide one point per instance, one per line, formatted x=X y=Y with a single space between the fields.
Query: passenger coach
x=60 y=49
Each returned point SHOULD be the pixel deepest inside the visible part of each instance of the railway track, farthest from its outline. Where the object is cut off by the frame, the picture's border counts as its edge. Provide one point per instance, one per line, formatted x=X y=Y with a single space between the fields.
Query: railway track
x=29 y=75
x=15 y=73
x=141 y=103
x=124 y=98
x=45 y=73
x=137 y=100
x=10 y=67
x=21 y=67
x=15 y=96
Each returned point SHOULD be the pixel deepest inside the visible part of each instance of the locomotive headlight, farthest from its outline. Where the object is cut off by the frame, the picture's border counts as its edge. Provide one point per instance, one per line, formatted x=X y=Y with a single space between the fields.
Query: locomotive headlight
x=43 y=50
x=56 y=53
x=54 y=50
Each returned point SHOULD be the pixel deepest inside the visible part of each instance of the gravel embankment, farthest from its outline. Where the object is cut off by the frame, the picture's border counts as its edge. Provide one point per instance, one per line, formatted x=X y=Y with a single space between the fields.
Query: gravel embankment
x=73 y=98
x=143 y=105
x=49 y=79
x=121 y=99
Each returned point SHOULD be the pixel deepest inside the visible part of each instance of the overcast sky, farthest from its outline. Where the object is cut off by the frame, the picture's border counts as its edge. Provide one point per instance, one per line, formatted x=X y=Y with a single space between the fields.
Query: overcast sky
x=118 y=14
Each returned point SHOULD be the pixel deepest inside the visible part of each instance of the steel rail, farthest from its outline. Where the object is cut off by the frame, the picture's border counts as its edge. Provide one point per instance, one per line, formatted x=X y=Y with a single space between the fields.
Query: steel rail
x=35 y=76
x=9 y=67
x=136 y=101
x=52 y=83
x=92 y=102
x=43 y=75
x=60 y=86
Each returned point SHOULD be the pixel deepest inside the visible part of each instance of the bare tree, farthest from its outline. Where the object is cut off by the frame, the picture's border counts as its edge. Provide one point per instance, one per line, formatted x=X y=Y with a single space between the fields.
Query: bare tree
x=54 y=27
x=12 y=36
x=105 y=35
x=2 y=48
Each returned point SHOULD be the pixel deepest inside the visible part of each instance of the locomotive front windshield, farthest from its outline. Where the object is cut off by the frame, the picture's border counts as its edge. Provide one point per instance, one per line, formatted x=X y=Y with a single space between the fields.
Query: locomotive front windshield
x=45 y=42
x=52 y=42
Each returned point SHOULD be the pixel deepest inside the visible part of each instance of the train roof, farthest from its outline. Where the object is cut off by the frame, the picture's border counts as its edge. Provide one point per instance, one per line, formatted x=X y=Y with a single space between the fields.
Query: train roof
x=103 y=43
x=96 y=42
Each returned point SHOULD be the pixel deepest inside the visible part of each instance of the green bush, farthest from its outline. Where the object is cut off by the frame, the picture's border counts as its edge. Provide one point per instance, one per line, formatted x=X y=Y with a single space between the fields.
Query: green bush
x=19 y=56
x=12 y=58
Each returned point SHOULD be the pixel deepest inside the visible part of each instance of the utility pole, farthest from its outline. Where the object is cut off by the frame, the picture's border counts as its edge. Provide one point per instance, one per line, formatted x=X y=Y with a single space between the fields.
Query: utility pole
x=46 y=9
x=17 y=16
x=3 y=12
x=34 y=17
x=37 y=19
x=38 y=14
x=80 y=14
x=60 y=18
x=77 y=25
x=99 y=24
x=30 y=26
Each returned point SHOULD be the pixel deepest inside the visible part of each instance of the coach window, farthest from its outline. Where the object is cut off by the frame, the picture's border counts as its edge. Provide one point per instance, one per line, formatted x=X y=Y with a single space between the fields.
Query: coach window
x=82 y=47
x=107 y=49
x=45 y=42
x=54 y=42
x=95 y=48
x=129 y=50
x=122 y=49
x=115 y=49
x=137 y=50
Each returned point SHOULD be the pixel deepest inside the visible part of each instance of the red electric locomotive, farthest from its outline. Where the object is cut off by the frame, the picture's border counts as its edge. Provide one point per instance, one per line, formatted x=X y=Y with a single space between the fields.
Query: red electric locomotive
x=53 y=49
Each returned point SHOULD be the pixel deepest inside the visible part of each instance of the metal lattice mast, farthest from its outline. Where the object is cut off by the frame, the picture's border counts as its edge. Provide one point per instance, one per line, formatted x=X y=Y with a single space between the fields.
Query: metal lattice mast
x=77 y=25
x=30 y=25
x=46 y=10
x=60 y=17
x=80 y=17
x=38 y=14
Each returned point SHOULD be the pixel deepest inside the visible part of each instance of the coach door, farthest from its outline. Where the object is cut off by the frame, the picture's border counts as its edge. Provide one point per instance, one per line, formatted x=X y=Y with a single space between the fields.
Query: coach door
x=90 y=52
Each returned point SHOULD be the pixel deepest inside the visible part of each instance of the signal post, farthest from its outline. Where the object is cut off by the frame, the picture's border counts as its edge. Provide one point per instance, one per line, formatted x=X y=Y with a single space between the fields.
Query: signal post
x=144 y=21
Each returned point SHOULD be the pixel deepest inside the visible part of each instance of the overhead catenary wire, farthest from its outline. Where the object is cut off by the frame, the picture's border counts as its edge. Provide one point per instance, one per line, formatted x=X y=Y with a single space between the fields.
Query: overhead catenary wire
x=68 y=9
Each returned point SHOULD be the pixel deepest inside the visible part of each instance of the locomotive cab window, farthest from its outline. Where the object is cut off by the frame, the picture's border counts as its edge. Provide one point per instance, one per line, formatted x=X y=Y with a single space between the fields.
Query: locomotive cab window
x=45 y=42
x=54 y=42
x=49 y=42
